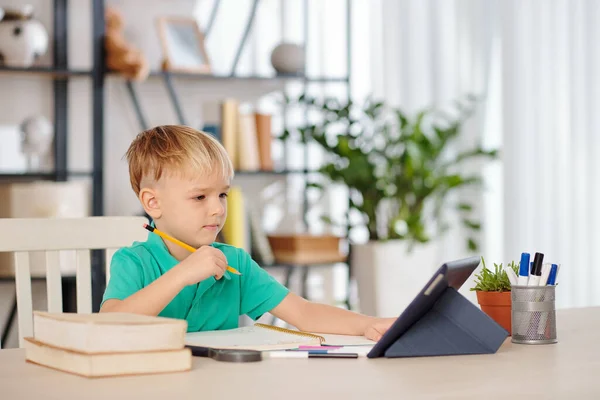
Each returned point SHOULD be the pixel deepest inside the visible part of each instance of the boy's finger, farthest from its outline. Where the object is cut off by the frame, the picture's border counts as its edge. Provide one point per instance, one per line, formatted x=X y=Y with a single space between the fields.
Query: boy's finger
x=221 y=264
x=218 y=253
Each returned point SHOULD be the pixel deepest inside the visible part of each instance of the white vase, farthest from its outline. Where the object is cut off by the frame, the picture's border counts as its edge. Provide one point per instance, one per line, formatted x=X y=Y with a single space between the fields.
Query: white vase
x=22 y=42
x=288 y=58
x=388 y=278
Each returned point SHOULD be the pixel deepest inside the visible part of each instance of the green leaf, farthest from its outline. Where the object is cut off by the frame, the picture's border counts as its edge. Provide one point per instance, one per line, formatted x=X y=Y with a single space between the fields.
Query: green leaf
x=495 y=280
x=472 y=224
x=285 y=135
x=326 y=219
x=465 y=207
x=315 y=185
x=472 y=245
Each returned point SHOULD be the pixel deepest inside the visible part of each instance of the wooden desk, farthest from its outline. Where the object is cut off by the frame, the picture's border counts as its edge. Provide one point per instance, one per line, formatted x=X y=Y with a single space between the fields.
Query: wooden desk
x=568 y=369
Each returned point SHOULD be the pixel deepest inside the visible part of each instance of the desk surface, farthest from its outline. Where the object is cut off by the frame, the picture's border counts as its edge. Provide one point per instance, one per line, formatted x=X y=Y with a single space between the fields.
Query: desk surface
x=568 y=369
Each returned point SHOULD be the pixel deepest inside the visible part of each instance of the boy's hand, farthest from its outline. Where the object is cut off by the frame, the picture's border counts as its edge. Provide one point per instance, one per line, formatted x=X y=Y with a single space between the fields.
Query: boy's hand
x=202 y=264
x=378 y=327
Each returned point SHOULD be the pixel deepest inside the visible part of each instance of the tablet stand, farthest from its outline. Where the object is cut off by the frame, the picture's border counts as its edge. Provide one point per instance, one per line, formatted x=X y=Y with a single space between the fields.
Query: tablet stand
x=453 y=326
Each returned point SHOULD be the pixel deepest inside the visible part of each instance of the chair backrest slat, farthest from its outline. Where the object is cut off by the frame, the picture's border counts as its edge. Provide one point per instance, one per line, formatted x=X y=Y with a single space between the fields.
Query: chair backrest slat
x=53 y=281
x=43 y=234
x=84 y=282
x=109 y=255
x=53 y=235
x=24 y=299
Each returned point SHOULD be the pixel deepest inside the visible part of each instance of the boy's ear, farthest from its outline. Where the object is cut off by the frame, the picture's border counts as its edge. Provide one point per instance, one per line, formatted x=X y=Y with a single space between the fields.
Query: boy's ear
x=150 y=202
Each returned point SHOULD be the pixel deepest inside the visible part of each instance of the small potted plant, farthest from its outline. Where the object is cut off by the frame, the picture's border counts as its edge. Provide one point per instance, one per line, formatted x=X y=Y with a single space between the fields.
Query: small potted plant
x=493 y=293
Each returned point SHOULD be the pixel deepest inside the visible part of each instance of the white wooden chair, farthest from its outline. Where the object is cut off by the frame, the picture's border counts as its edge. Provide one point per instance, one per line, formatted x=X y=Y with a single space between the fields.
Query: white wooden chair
x=51 y=235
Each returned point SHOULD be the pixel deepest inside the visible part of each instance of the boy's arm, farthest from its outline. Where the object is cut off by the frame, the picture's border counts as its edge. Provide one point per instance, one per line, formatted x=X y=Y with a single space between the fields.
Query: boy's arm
x=313 y=317
x=150 y=300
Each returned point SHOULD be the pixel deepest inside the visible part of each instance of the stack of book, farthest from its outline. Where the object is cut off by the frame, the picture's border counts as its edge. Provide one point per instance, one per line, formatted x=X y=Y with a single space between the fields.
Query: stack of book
x=108 y=344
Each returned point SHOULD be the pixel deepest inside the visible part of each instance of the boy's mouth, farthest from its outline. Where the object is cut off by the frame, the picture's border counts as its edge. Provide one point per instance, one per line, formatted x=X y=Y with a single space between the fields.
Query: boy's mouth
x=213 y=227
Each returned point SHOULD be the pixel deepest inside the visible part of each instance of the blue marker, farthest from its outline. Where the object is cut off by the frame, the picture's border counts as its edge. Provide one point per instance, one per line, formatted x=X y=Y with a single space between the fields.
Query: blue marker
x=523 y=270
x=552 y=276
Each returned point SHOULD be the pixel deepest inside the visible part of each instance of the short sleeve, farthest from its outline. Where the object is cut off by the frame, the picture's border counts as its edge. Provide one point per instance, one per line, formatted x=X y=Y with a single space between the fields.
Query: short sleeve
x=126 y=276
x=260 y=291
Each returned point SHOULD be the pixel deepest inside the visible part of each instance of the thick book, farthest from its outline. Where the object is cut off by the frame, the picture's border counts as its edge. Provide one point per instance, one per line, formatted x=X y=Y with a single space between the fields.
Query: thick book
x=107 y=364
x=108 y=332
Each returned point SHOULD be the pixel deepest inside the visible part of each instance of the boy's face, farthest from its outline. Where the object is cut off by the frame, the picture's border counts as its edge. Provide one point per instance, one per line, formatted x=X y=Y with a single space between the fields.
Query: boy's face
x=191 y=209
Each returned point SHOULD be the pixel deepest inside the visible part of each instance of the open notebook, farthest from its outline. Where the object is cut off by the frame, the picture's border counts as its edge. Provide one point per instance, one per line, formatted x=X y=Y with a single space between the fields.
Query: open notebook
x=266 y=337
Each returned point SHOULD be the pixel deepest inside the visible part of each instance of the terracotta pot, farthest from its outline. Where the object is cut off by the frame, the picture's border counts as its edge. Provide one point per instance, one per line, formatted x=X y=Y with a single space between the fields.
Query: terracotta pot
x=498 y=306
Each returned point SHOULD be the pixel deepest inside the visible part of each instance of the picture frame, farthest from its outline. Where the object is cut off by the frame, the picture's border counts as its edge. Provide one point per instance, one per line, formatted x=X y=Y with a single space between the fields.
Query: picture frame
x=182 y=44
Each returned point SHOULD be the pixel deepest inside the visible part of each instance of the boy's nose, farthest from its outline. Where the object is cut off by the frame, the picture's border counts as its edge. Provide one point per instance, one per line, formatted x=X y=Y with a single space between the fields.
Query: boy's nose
x=218 y=209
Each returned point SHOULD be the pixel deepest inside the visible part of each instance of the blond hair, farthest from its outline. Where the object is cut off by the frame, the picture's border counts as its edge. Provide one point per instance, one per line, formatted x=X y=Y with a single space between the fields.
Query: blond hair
x=177 y=148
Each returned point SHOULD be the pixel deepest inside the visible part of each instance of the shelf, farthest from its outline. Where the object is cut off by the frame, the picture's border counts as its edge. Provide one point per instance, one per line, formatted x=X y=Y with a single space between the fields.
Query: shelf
x=26 y=177
x=32 y=176
x=246 y=78
x=38 y=176
x=49 y=70
x=55 y=72
x=266 y=173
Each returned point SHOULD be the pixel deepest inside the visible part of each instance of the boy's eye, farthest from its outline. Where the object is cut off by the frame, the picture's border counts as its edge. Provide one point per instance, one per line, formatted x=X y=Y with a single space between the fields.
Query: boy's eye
x=200 y=197
x=223 y=194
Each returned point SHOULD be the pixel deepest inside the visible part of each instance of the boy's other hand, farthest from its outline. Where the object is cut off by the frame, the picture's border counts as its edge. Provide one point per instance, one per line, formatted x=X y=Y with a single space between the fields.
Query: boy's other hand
x=378 y=327
x=202 y=264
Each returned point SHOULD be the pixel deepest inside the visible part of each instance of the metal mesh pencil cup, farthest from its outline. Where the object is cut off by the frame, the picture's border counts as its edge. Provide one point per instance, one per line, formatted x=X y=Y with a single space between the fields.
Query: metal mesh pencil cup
x=533 y=314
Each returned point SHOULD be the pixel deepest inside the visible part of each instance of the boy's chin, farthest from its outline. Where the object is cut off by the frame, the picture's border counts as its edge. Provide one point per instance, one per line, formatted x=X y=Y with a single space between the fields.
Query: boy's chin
x=205 y=241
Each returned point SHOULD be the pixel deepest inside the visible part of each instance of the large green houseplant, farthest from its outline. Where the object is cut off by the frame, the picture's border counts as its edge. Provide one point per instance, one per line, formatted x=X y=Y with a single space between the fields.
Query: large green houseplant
x=399 y=170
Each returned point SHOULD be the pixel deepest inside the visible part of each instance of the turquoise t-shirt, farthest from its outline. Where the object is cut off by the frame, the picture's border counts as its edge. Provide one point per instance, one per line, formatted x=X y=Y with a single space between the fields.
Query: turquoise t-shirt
x=208 y=305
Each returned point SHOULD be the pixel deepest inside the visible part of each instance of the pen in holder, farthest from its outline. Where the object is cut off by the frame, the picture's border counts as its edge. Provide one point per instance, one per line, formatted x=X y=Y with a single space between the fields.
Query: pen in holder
x=533 y=314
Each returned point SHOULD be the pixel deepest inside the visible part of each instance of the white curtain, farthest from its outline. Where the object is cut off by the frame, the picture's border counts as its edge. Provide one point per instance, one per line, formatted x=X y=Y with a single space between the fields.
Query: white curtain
x=536 y=62
x=550 y=98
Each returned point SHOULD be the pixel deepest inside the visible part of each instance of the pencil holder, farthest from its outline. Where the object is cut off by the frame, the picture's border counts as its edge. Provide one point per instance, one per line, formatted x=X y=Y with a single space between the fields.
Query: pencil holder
x=533 y=314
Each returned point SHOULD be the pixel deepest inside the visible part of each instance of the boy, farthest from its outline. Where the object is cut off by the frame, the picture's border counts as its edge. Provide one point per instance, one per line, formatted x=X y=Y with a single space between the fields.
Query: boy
x=181 y=177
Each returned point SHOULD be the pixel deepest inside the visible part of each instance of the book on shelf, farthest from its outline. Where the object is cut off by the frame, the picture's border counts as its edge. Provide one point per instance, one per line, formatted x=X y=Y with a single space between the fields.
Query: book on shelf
x=235 y=230
x=229 y=129
x=247 y=143
x=245 y=133
x=264 y=137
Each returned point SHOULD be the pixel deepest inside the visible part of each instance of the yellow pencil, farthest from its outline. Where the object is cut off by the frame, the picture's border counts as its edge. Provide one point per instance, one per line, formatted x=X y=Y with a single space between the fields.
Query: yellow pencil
x=180 y=243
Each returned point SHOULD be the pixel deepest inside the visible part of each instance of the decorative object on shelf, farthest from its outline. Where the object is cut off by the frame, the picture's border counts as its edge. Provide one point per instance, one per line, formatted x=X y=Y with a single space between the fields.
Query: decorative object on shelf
x=306 y=249
x=288 y=59
x=36 y=143
x=23 y=39
x=494 y=293
x=182 y=44
x=121 y=57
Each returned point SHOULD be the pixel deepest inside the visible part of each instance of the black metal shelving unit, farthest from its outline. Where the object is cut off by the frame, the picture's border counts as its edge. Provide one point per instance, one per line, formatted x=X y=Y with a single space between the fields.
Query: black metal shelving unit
x=60 y=73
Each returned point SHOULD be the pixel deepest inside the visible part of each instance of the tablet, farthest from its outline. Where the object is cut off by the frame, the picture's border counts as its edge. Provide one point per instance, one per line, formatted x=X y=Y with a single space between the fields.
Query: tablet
x=451 y=274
